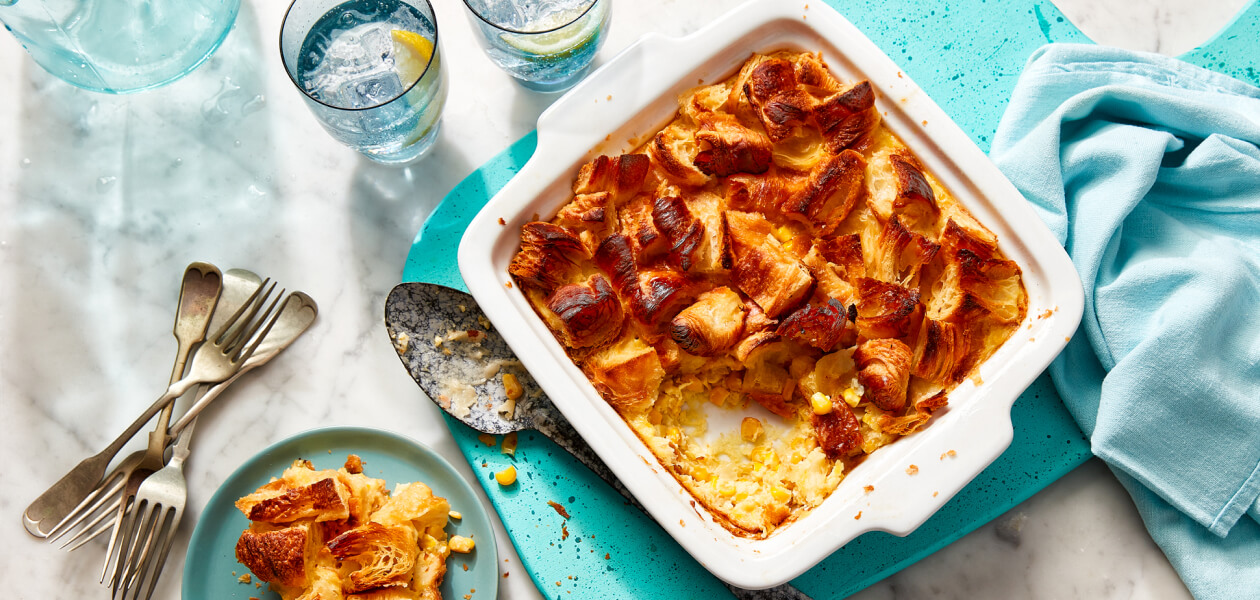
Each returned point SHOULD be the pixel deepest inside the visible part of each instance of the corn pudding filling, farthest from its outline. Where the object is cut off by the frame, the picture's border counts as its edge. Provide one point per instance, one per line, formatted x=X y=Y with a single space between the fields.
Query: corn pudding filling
x=770 y=289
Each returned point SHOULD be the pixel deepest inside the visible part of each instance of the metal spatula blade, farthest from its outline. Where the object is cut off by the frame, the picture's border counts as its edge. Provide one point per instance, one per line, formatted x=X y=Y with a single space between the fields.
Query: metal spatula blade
x=422 y=318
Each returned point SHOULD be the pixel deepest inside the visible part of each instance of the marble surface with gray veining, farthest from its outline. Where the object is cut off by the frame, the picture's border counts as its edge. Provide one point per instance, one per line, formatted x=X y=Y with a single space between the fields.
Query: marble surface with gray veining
x=104 y=200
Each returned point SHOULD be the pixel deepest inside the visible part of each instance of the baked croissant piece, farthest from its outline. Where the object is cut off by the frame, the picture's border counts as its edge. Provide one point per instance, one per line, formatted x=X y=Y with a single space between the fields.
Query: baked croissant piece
x=773 y=247
x=339 y=534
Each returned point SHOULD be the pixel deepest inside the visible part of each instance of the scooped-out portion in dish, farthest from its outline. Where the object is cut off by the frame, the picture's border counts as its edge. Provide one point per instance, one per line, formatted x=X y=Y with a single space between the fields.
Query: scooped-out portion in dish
x=334 y=534
x=778 y=262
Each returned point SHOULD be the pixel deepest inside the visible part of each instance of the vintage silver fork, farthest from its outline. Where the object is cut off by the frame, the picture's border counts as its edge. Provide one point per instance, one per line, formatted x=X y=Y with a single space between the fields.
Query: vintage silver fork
x=198 y=296
x=220 y=357
x=161 y=498
x=160 y=506
x=104 y=501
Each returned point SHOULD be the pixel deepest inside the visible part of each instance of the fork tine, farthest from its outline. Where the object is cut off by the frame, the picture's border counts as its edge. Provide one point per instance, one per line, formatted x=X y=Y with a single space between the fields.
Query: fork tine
x=85 y=509
x=250 y=326
x=129 y=558
x=83 y=537
x=169 y=524
x=270 y=319
x=154 y=519
x=240 y=331
x=219 y=336
x=119 y=540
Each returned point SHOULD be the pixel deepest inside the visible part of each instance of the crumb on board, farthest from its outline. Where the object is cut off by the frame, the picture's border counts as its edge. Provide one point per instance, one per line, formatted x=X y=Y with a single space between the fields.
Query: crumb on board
x=607 y=556
x=559 y=508
x=912 y=470
x=465 y=566
x=488 y=440
x=868 y=488
x=257 y=585
x=245 y=578
x=506 y=477
x=508 y=285
x=857 y=516
x=557 y=584
x=934 y=494
x=564 y=532
x=609 y=97
x=681 y=523
x=925 y=122
x=949 y=454
x=505 y=575
x=502 y=222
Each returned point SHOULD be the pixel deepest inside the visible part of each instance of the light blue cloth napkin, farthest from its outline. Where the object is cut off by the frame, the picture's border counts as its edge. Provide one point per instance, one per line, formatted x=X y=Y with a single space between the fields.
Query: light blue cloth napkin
x=1148 y=171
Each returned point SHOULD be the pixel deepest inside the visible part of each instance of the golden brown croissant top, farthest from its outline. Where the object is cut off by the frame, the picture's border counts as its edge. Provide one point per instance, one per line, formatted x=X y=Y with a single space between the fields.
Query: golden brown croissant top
x=774 y=243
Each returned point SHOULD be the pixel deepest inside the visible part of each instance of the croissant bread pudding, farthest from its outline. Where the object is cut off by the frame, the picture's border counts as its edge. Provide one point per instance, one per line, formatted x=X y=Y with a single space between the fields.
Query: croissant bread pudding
x=775 y=253
x=338 y=534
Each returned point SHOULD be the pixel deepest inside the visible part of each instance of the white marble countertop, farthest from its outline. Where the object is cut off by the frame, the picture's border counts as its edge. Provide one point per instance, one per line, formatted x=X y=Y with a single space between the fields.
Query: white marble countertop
x=105 y=199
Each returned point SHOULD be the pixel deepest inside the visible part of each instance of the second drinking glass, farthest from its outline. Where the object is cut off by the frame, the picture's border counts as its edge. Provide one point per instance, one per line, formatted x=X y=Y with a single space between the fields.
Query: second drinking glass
x=370 y=70
x=548 y=46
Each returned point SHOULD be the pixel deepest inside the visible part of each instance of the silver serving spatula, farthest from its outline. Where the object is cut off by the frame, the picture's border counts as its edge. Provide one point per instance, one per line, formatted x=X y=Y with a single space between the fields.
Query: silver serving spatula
x=418 y=315
x=428 y=324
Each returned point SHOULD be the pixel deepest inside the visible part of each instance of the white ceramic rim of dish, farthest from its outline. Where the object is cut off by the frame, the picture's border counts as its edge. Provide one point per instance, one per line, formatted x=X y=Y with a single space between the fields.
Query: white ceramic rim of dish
x=635 y=94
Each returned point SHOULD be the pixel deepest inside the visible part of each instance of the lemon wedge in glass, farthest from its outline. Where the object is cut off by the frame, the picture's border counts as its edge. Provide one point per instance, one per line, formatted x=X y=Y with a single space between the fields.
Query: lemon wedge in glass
x=561 y=41
x=411 y=54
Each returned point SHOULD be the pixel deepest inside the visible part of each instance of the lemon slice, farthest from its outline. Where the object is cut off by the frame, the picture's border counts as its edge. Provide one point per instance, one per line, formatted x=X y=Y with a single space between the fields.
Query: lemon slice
x=411 y=54
x=561 y=41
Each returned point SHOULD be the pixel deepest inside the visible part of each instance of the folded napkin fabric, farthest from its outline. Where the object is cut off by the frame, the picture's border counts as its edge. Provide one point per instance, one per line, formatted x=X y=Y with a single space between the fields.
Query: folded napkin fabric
x=1148 y=171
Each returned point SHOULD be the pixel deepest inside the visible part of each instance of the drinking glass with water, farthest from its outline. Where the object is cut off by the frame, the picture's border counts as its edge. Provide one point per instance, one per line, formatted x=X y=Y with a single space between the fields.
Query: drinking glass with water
x=370 y=70
x=547 y=45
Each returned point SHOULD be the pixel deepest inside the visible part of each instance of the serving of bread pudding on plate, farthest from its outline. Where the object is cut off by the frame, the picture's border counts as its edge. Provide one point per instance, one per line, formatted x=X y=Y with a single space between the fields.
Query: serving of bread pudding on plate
x=339 y=534
x=770 y=288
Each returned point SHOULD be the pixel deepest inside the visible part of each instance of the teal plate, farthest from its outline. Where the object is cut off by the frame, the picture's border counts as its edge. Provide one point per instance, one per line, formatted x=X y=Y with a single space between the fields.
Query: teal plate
x=396 y=459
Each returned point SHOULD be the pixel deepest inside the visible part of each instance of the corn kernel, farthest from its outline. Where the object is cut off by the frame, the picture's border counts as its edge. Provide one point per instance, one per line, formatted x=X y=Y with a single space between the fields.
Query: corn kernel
x=784 y=234
x=772 y=459
x=512 y=386
x=455 y=515
x=750 y=429
x=851 y=397
x=780 y=494
x=726 y=489
x=506 y=477
x=820 y=403
x=461 y=544
x=509 y=444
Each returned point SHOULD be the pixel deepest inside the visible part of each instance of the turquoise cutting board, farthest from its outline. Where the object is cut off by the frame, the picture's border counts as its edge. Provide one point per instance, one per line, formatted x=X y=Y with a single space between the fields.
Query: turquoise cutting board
x=966 y=55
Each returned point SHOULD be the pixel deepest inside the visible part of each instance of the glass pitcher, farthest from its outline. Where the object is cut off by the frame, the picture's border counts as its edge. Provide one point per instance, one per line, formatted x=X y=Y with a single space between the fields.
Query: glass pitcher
x=119 y=46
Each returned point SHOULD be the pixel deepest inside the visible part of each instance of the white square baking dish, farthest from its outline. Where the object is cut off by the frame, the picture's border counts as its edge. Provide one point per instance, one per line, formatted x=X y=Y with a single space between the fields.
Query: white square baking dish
x=634 y=95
